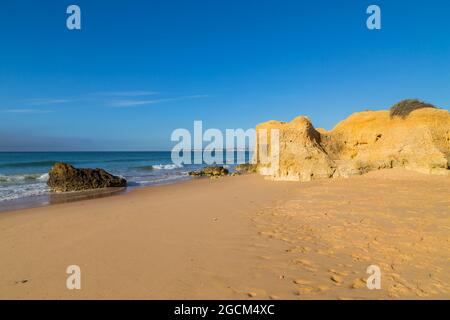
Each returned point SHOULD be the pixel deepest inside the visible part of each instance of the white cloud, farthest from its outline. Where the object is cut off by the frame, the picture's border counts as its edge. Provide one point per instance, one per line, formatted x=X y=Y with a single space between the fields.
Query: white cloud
x=117 y=99
x=26 y=111
x=132 y=103
x=136 y=103
x=137 y=93
x=45 y=101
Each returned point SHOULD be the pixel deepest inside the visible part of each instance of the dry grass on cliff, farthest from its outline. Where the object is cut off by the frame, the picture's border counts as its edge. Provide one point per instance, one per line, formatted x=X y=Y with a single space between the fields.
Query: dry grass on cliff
x=405 y=107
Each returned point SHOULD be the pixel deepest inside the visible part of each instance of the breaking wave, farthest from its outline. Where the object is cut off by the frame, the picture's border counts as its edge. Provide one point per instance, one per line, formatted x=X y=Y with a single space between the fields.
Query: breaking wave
x=17 y=178
x=161 y=167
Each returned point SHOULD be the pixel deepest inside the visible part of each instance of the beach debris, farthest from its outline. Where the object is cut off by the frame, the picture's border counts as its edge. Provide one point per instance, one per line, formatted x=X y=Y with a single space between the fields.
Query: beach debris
x=21 y=281
x=64 y=178
x=215 y=171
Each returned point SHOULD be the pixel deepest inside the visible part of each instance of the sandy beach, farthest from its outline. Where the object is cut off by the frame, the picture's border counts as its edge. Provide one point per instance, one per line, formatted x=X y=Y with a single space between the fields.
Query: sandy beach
x=237 y=238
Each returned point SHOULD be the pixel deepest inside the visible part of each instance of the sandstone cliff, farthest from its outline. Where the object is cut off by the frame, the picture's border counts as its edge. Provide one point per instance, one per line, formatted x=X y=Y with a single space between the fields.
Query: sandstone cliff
x=418 y=140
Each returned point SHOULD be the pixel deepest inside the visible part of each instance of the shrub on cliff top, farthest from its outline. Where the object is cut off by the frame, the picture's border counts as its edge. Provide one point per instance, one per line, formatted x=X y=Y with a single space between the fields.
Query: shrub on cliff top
x=405 y=107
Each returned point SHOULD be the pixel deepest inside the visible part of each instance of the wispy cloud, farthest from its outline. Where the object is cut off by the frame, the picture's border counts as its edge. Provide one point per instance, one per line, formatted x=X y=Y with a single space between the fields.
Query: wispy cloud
x=136 y=103
x=137 y=93
x=116 y=99
x=195 y=96
x=26 y=111
x=45 y=101
x=133 y=103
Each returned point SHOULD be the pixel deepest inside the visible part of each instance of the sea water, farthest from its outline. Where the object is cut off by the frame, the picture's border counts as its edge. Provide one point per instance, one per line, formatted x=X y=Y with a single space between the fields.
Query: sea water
x=24 y=175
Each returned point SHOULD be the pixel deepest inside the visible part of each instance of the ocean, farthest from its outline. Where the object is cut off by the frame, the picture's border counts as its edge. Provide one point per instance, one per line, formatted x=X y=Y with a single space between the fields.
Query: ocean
x=24 y=175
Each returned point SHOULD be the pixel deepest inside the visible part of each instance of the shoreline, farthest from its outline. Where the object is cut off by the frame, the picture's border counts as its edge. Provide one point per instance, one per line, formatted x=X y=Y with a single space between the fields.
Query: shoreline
x=53 y=198
x=58 y=198
x=240 y=237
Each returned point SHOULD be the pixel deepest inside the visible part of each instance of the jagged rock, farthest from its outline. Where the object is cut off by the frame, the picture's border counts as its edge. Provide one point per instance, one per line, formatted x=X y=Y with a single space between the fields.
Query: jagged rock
x=418 y=140
x=215 y=171
x=64 y=177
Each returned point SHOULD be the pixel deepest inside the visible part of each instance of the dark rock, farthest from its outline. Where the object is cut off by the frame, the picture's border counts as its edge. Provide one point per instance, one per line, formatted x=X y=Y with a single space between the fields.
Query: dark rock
x=215 y=171
x=246 y=167
x=64 y=177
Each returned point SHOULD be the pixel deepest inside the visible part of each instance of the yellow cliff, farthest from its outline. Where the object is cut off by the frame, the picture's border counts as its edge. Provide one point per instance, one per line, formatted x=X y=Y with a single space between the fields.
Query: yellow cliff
x=418 y=140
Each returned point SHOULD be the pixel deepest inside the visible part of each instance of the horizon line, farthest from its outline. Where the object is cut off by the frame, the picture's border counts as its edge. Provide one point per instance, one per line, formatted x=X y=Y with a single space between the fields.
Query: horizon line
x=194 y=150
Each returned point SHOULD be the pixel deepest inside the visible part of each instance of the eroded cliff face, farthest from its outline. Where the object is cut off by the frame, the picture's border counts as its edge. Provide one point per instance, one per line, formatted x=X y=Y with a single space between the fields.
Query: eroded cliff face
x=363 y=142
x=301 y=156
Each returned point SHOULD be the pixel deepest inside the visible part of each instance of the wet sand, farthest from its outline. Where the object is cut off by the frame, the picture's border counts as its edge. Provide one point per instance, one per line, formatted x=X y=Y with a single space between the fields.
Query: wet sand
x=237 y=238
x=57 y=198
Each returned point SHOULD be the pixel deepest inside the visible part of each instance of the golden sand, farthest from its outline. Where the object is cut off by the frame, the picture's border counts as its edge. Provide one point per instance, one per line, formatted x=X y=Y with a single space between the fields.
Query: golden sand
x=238 y=238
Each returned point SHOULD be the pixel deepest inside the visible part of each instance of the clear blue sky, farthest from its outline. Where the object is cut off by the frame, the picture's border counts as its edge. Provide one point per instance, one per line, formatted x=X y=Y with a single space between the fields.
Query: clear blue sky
x=139 y=69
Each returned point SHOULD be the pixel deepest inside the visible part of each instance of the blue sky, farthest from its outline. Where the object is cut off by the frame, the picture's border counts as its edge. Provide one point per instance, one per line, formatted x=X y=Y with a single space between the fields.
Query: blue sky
x=139 y=69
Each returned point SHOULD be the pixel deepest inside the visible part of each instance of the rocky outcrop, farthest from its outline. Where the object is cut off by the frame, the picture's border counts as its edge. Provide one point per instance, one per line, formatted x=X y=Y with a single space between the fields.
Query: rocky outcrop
x=215 y=171
x=300 y=157
x=64 y=177
x=418 y=140
x=245 y=167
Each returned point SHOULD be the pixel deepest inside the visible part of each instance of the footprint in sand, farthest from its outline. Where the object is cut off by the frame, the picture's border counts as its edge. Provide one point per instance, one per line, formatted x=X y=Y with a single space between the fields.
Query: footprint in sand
x=306 y=264
x=360 y=257
x=301 y=281
x=307 y=287
x=339 y=273
x=358 y=284
x=323 y=287
x=337 y=276
x=397 y=290
x=304 y=290
x=325 y=252
x=337 y=279
x=268 y=234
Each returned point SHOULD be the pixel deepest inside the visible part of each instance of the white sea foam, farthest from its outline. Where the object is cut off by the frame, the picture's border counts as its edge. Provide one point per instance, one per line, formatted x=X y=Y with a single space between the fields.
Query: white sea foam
x=166 y=166
x=43 y=177
x=19 y=178
x=162 y=180
x=17 y=191
x=22 y=185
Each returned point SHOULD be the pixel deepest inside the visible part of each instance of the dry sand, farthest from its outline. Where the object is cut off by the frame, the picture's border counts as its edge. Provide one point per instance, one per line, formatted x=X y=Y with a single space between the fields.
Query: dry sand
x=238 y=238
